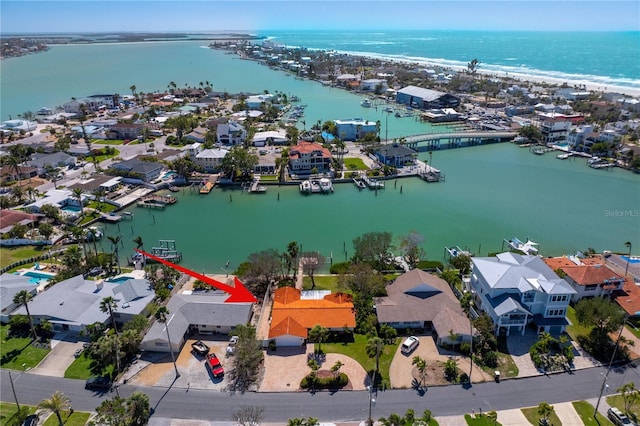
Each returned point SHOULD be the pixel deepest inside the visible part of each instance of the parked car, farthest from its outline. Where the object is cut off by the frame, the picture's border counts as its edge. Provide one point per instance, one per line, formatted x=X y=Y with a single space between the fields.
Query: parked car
x=618 y=417
x=77 y=353
x=200 y=348
x=214 y=366
x=409 y=344
x=31 y=420
x=98 y=383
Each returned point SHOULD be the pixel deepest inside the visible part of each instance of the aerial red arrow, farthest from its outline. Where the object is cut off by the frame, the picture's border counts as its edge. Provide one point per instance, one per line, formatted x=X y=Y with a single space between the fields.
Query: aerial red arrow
x=238 y=293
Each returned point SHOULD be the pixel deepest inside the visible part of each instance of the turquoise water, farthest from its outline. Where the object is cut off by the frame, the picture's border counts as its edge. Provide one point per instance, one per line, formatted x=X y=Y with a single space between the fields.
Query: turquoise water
x=119 y=280
x=167 y=175
x=491 y=193
x=72 y=209
x=631 y=259
x=574 y=56
x=36 y=278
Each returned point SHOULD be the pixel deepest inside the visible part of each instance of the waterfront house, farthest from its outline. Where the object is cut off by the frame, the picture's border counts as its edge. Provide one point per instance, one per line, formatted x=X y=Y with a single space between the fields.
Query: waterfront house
x=588 y=277
x=422 y=98
x=422 y=301
x=135 y=168
x=348 y=80
x=353 y=129
x=10 y=285
x=98 y=183
x=57 y=159
x=74 y=303
x=231 y=132
x=374 y=85
x=210 y=159
x=199 y=134
x=9 y=218
x=295 y=312
x=59 y=198
x=201 y=312
x=516 y=290
x=272 y=137
x=16 y=126
x=442 y=115
x=306 y=156
x=396 y=155
x=256 y=101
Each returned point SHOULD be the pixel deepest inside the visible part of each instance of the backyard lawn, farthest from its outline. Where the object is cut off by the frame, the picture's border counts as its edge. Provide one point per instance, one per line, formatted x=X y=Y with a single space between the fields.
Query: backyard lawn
x=9 y=255
x=585 y=411
x=324 y=282
x=354 y=164
x=18 y=353
x=575 y=329
x=357 y=351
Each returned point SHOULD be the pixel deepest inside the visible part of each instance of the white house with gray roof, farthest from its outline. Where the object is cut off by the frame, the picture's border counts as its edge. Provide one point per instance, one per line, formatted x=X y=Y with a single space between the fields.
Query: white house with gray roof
x=56 y=159
x=203 y=312
x=74 y=303
x=515 y=290
x=145 y=170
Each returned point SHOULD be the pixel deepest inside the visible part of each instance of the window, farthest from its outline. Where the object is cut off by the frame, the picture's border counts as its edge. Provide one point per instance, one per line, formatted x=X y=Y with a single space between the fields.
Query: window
x=555 y=313
x=591 y=287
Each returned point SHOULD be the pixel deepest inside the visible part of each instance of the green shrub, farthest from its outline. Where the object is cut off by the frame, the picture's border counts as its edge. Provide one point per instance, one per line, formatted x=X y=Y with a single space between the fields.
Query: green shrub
x=340 y=268
x=430 y=265
x=311 y=380
x=465 y=348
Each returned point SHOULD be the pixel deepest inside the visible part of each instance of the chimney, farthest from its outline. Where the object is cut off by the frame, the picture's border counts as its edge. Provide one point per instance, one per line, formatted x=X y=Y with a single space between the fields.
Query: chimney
x=99 y=285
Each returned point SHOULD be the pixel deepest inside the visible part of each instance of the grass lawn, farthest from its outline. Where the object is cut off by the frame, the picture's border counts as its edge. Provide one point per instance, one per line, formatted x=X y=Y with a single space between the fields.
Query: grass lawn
x=104 y=207
x=9 y=255
x=575 y=329
x=585 y=411
x=107 y=142
x=618 y=402
x=17 y=351
x=480 y=420
x=78 y=418
x=354 y=164
x=324 y=282
x=101 y=158
x=80 y=368
x=356 y=350
x=8 y=411
x=268 y=178
x=506 y=366
x=532 y=415
x=634 y=328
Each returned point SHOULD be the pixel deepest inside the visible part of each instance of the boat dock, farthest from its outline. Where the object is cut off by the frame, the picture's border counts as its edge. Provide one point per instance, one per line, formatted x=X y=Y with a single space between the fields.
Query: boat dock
x=255 y=187
x=206 y=188
x=359 y=183
x=431 y=174
x=166 y=251
x=156 y=201
x=372 y=183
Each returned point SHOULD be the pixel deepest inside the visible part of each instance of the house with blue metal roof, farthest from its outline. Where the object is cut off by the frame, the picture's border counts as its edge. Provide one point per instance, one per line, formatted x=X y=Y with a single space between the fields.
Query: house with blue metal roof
x=517 y=290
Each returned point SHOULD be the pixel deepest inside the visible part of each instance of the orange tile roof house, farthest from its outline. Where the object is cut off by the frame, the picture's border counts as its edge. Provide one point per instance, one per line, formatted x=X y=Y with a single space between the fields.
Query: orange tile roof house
x=305 y=156
x=588 y=280
x=295 y=313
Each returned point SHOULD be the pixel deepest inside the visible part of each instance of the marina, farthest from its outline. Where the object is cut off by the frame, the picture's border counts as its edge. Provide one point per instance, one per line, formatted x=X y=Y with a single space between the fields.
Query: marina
x=314 y=186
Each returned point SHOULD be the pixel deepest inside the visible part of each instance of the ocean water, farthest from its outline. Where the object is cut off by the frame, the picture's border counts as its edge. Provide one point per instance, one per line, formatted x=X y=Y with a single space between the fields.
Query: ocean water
x=599 y=58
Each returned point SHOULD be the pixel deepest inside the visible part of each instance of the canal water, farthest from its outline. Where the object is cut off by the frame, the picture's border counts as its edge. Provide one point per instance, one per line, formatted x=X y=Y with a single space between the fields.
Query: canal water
x=491 y=193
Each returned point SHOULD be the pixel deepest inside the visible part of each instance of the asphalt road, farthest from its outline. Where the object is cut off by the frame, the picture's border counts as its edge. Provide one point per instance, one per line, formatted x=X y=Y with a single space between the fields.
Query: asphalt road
x=339 y=406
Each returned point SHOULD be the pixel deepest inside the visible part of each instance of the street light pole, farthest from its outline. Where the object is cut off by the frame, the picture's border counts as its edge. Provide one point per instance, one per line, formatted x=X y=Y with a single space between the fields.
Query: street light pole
x=604 y=381
x=371 y=403
x=18 y=404
x=626 y=269
x=173 y=358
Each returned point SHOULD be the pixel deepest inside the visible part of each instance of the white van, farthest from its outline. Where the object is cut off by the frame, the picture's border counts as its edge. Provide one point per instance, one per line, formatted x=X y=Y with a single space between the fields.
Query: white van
x=409 y=344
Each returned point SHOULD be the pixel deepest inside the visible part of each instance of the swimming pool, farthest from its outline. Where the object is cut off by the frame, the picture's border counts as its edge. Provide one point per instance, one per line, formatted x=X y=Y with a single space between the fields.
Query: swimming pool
x=36 y=278
x=168 y=175
x=71 y=209
x=119 y=280
x=632 y=259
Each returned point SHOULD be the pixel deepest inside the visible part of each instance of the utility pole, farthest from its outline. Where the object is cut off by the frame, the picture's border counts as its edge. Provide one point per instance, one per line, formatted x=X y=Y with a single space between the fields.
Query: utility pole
x=18 y=404
x=173 y=357
x=604 y=381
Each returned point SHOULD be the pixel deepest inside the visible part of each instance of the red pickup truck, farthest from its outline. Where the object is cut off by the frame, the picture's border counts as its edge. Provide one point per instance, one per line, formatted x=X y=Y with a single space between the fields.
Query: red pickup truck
x=213 y=365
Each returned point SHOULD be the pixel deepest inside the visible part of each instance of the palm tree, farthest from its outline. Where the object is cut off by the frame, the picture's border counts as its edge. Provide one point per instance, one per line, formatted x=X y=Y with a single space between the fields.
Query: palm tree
x=544 y=411
x=77 y=193
x=293 y=250
x=23 y=297
x=57 y=403
x=374 y=349
x=421 y=366
x=161 y=316
x=336 y=368
x=138 y=241
x=318 y=334
x=110 y=304
x=133 y=90
x=115 y=241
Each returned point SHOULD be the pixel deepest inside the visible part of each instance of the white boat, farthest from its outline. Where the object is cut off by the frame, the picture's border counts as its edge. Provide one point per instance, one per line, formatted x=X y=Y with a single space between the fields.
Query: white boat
x=563 y=156
x=326 y=185
x=359 y=183
x=305 y=187
x=366 y=103
x=529 y=247
x=456 y=251
x=93 y=233
x=372 y=183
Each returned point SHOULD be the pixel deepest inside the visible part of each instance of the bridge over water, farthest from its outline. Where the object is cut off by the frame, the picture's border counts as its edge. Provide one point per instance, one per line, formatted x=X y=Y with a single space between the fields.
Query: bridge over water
x=435 y=141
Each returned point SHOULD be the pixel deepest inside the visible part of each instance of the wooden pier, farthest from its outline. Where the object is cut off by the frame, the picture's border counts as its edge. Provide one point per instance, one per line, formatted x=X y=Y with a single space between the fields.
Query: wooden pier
x=206 y=188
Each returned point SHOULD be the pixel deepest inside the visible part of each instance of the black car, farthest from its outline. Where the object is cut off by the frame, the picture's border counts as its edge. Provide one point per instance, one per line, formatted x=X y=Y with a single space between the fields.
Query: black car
x=31 y=420
x=98 y=383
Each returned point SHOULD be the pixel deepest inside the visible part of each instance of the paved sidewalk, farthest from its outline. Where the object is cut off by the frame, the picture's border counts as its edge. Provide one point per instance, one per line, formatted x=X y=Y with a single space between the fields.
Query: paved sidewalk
x=567 y=414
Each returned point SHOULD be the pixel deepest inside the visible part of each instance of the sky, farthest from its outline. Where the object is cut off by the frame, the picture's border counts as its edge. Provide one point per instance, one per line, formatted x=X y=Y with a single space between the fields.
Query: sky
x=47 y=16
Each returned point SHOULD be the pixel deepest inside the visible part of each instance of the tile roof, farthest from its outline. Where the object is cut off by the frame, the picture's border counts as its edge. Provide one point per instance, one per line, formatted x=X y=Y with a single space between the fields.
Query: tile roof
x=629 y=299
x=308 y=148
x=288 y=326
x=332 y=311
x=591 y=274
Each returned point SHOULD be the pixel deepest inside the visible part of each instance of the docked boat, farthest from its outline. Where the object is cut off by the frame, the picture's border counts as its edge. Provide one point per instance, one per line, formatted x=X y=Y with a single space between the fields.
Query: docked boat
x=305 y=187
x=456 y=251
x=563 y=156
x=93 y=233
x=372 y=183
x=528 y=247
x=359 y=183
x=366 y=103
x=325 y=185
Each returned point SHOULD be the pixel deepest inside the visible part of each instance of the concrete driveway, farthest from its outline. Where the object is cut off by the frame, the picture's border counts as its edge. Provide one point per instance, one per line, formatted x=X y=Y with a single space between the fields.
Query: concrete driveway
x=59 y=359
